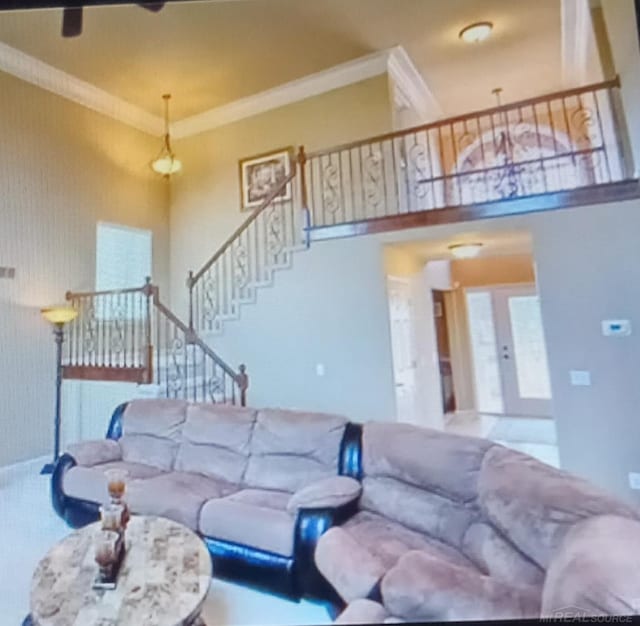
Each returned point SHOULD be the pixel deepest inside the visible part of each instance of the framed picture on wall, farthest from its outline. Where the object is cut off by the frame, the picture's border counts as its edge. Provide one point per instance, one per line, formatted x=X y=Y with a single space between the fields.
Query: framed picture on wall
x=260 y=174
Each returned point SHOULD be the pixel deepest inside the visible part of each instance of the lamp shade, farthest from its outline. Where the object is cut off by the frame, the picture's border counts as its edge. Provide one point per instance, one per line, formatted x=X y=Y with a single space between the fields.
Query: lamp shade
x=61 y=314
x=465 y=250
x=166 y=165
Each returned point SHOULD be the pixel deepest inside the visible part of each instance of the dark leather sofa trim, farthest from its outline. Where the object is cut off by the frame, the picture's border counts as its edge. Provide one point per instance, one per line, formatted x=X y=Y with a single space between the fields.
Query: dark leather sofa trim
x=257 y=568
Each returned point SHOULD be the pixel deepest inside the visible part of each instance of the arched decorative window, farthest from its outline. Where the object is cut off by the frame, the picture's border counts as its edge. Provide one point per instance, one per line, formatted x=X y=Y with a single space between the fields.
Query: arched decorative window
x=517 y=160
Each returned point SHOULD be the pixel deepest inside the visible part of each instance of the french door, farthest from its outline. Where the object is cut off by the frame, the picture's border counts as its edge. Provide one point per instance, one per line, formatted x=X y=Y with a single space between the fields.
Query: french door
x=509 y=353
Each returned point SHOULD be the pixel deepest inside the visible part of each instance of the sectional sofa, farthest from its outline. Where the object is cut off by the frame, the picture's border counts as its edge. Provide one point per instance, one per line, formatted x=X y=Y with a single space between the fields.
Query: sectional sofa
x=386 y=521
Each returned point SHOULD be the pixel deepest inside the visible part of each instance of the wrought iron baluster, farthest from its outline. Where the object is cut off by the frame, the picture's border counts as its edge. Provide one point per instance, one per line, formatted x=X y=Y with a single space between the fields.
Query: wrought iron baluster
x=603 y=144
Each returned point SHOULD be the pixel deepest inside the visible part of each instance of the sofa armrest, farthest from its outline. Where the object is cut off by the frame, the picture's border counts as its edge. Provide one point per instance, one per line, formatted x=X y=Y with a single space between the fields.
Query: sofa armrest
x=332 y=492
x=311 y=524
x=95 y=452
x=362 y=611
x=352 y=570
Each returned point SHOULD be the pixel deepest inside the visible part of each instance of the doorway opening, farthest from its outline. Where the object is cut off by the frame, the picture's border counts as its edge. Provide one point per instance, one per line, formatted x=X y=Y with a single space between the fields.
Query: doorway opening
x=468 y=341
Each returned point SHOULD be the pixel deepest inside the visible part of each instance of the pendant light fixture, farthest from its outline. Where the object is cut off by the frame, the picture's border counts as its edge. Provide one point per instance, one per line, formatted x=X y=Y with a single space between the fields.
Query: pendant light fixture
x=166 y=162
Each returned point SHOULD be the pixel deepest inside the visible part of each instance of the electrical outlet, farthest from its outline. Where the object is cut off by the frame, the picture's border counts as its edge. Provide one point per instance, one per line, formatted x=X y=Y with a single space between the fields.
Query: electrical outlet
x=8 y=272
x=634 y=480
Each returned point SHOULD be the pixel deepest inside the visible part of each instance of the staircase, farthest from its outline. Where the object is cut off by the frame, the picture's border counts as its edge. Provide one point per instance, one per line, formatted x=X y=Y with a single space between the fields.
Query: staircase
x=248 y=261
x=563 y=149
x=131 y=336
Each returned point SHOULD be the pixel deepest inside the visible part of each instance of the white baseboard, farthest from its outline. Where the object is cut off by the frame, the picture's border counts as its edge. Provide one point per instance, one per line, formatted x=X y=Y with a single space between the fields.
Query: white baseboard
x=23 y=468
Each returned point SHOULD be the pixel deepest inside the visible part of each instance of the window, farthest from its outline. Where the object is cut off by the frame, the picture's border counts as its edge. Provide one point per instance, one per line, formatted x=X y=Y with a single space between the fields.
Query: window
x=123 y=257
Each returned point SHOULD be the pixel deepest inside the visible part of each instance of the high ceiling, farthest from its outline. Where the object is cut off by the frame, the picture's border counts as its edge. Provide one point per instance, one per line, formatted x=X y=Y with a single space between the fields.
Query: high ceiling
x=213 y=52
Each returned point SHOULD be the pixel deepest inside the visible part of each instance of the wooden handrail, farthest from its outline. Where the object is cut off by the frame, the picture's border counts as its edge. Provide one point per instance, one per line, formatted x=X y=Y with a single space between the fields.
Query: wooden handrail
x=607 y=84
x=193 y=337
x=111 y=292
x=192 y=280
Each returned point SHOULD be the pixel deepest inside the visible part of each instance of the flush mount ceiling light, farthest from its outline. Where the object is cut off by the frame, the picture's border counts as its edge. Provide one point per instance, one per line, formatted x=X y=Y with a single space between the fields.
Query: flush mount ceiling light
x=465 y=250
x=166 y=162
x=477 y=32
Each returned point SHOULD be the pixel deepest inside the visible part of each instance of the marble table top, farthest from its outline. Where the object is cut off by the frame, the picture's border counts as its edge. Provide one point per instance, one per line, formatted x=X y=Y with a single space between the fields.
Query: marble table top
x=163 y=581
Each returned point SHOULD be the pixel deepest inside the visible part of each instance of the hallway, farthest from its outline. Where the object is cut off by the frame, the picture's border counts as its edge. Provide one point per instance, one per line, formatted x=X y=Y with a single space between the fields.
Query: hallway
x=530 y=435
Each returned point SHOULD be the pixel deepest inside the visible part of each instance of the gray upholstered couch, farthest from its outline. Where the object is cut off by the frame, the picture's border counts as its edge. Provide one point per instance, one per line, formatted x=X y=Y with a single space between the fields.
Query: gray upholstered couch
x=258 y=485
x=388 y=521
x=458 y=528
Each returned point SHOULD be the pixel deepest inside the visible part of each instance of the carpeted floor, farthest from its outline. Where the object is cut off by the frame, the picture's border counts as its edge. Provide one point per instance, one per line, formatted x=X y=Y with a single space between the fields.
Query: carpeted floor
x=30 y=528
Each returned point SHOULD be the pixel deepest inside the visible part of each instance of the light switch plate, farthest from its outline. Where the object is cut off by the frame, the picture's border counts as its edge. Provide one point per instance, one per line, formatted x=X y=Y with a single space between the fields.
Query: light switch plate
x=580 y=378
x=634 y=480
x=616 y=328
x=320 y=369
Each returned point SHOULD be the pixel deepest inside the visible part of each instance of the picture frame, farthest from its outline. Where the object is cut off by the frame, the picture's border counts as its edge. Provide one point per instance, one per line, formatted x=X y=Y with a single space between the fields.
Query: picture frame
x=259 y=174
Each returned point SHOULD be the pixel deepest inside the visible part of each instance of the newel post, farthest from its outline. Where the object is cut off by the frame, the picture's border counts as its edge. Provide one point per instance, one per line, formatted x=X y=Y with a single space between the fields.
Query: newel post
x=304 y=193
x=190 y=287
x=242 y=380
x=147 y=290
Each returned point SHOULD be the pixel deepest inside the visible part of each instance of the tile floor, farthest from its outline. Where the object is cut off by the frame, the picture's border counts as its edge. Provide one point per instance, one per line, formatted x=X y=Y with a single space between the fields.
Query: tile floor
x=30 y=528
x=532 y=435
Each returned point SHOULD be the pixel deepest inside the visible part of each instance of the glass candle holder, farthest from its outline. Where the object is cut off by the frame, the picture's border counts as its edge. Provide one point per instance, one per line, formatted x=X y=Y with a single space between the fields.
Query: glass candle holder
x=116 y=483
x=112 y=517
x=105 y=556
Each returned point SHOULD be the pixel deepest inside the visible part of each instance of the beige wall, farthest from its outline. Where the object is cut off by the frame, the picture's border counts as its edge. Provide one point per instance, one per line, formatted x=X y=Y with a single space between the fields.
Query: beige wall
x=497 y=270
x=331 y=308
x=62 y=168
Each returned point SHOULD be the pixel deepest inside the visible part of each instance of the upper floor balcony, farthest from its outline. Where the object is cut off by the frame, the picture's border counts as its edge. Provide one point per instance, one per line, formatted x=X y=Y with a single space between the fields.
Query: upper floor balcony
x=558 y=150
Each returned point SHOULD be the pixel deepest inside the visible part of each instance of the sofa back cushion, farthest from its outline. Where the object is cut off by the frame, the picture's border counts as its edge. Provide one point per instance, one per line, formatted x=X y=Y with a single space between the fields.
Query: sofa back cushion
x=596 y=571
x=215 y=441
x=290 y=449
x=444 y=464
x=534 y=505
x=151 y=431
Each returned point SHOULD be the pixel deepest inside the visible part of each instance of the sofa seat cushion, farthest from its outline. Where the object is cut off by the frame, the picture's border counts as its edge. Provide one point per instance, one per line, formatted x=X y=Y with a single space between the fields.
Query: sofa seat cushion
x=496 y=556
x=245 y=518
x=389 y=540
x=176 y=495
x=266 y=498
x=424 y=588
x=90 y=483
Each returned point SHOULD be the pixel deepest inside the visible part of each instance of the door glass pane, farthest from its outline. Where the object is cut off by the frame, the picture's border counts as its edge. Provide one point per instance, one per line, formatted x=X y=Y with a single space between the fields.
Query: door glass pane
x=484 y=352
x=529 y=348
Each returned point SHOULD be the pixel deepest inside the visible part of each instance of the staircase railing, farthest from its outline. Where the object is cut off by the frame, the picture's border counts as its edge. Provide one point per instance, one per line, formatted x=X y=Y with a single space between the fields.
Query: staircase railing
x=559 y=141
x=262 y=244
x=129 y=335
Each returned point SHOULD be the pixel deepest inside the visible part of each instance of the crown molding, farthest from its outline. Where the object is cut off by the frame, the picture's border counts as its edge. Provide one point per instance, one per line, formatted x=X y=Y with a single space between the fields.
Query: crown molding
x=410 y=88
x=395 y=61
x=577 y=30
x=41 y=74
x=409 y=91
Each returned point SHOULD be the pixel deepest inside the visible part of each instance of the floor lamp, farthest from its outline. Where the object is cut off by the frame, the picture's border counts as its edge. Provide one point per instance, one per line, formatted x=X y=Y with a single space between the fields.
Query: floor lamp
x=58 y=316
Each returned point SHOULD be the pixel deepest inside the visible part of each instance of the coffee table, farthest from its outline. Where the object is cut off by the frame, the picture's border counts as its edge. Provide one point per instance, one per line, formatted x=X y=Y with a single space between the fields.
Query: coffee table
x=163 y=581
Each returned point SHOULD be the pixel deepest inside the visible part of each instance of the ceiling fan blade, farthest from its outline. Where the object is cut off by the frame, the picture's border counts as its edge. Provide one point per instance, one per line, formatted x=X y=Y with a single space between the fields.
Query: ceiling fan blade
x=151 y=6
x=72 y=21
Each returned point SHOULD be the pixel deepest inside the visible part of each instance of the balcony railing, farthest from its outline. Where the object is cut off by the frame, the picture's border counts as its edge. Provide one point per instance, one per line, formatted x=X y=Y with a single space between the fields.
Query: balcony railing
x=558 y=142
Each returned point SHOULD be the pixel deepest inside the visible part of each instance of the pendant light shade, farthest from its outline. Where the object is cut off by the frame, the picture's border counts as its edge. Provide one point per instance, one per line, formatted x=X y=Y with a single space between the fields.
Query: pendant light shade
x=166 y=162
